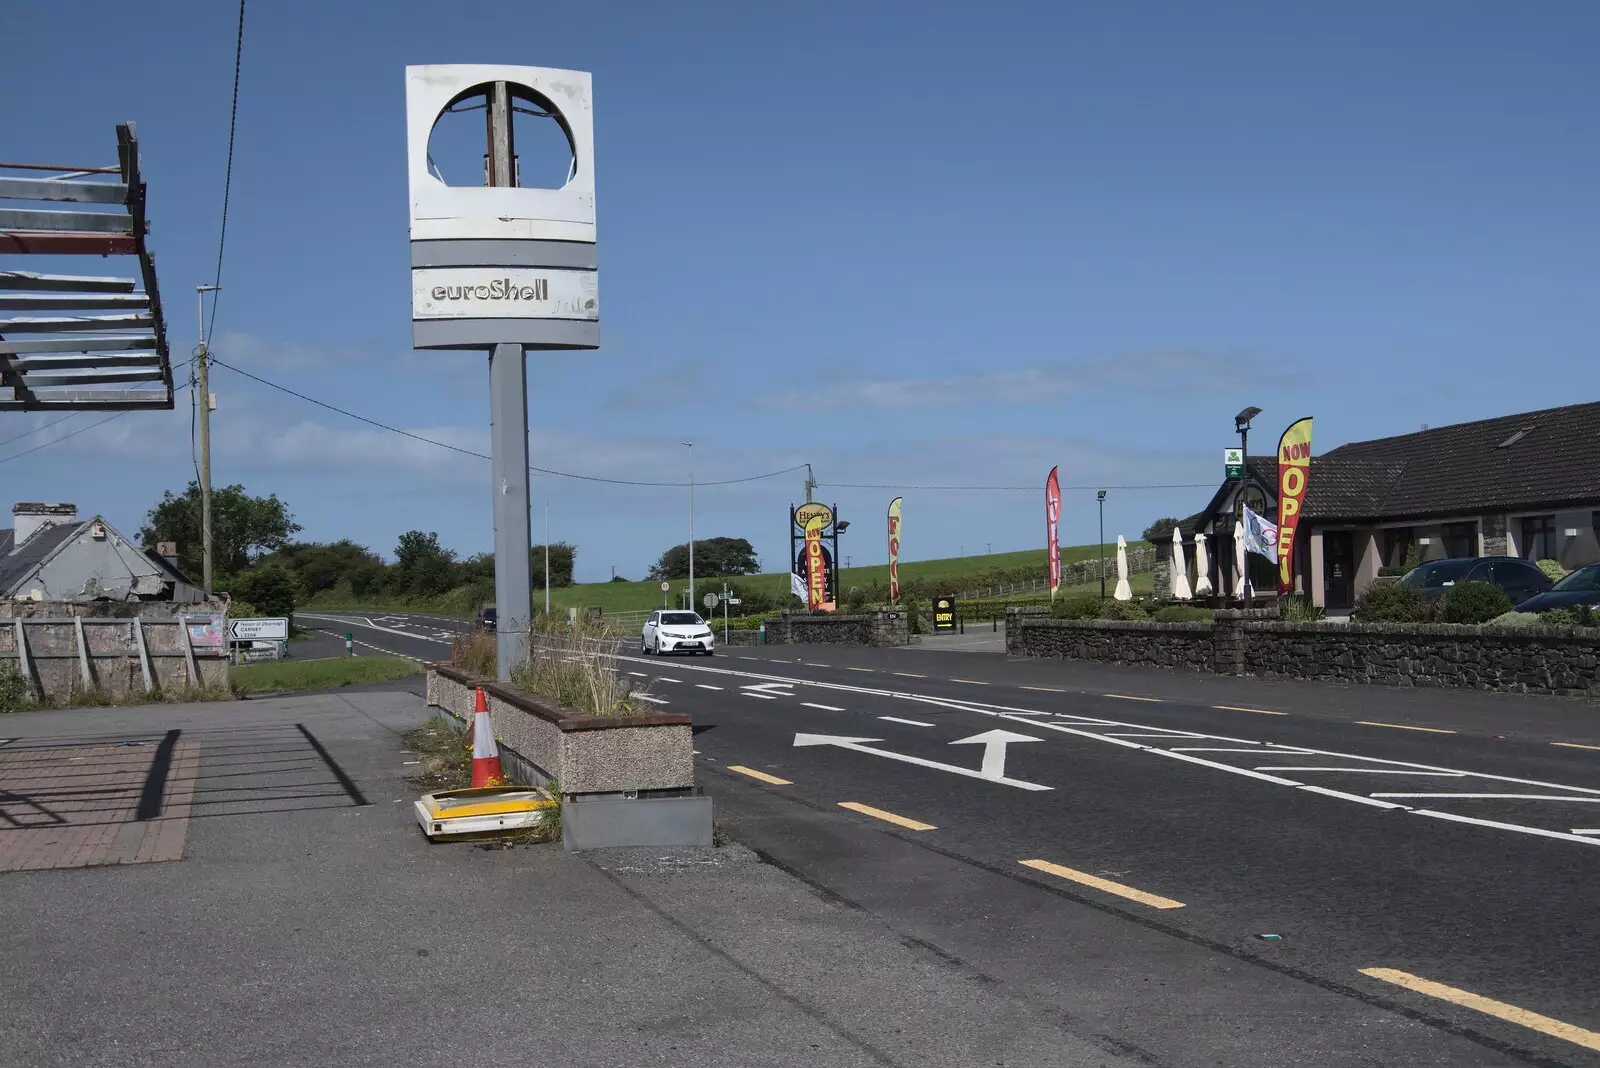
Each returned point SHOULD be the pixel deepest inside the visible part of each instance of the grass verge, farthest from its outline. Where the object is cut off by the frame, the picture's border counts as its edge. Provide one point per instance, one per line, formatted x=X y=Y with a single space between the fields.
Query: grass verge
x=321 y=674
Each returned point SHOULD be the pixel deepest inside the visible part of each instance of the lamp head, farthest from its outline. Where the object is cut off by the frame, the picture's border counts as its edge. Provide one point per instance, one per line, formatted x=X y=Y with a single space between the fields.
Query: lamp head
x=1242 y=420
x=1100 y=496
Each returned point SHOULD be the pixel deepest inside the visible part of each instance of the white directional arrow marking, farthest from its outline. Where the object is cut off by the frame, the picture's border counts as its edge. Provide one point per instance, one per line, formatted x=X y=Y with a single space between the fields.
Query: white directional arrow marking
x=994 y=749
x=859 y=745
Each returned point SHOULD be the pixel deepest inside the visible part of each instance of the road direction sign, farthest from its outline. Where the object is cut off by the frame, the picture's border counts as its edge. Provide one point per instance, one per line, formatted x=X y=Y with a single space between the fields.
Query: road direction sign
x=994 y=755
x=258 y=630
x=735 y=600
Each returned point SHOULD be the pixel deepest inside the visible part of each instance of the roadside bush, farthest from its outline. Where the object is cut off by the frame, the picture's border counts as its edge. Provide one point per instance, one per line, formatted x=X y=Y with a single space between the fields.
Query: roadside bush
x=1553 y=569
x=1076 y=606
x=1301 y=610
x=1520 y=619
x=1473 y=602
x=1182 y=613
x=270 y=589
x=1126 y=610
x=1390 y=602
x=1578 y=615
x=14 y=690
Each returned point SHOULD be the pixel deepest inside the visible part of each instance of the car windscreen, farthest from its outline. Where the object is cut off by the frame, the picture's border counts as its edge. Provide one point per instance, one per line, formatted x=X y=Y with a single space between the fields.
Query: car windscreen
x=1431 y=576
x=1585 y=578
x=680 y=619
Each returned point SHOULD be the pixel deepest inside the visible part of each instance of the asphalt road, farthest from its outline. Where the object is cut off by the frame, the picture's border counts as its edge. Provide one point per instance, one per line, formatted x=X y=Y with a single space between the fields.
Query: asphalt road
x=1415 y=853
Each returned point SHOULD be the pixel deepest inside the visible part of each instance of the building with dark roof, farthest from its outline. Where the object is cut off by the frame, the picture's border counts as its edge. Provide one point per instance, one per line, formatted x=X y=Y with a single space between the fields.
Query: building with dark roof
x=1523 y=485
x=49 y=554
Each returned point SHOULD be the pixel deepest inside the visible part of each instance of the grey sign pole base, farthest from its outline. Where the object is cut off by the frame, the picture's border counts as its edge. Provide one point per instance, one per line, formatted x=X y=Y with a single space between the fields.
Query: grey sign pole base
x=508 y=437
x=641 y=821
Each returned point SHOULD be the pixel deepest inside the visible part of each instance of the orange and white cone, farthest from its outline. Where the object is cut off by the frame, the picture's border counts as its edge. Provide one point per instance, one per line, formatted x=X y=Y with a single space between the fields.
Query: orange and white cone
x=486 y=769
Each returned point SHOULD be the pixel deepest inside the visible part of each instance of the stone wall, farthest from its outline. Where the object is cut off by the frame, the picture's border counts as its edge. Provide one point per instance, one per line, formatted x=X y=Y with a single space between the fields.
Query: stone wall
x=1555 y=660
x=65 y=641
x=881 y=626
x=1113 y=641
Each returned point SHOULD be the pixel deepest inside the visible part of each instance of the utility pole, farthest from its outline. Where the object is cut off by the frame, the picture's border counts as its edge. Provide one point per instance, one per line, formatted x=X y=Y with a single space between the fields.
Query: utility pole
x=508 y=431
x=811 y=483
x=690 y=446
x=203 y=372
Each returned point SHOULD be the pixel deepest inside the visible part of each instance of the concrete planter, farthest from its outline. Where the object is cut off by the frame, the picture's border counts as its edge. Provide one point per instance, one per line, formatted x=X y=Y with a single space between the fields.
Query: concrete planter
x=624 y=780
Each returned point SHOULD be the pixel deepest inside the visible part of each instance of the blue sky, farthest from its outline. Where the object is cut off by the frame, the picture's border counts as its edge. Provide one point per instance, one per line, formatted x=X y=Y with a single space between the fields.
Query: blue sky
x=946 y=244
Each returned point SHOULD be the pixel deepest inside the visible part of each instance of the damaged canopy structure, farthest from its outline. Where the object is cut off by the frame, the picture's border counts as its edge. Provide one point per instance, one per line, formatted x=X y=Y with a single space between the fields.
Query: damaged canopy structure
x=79 y=342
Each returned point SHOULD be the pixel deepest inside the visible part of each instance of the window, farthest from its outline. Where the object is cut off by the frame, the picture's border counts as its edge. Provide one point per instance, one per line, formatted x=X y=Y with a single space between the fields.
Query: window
x=1539 y=537
x=1434 y=576
x=1460 y=539
x=680 y=619
x=1396 y=544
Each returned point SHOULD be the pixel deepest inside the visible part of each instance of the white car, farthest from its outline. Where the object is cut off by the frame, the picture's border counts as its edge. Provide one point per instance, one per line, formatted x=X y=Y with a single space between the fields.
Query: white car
x=675 y=632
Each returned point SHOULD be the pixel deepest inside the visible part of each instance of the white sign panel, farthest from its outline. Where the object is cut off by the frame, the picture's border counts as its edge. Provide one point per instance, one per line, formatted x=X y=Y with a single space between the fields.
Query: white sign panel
x=504 y=293
x=249 y=630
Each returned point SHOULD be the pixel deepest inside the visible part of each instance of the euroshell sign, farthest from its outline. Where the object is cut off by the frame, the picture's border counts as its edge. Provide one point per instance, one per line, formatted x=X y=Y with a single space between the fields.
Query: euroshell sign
x=502 y=264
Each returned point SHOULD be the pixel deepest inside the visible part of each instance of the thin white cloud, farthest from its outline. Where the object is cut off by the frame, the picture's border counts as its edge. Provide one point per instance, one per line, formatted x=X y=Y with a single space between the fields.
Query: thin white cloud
x=1153 y=371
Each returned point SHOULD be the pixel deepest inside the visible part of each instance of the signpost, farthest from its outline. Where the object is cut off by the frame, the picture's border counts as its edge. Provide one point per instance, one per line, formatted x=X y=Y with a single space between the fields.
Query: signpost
x=1233 y=462
x=944 y=614
x=666 y=591
x=502 y=268
x=273 y=634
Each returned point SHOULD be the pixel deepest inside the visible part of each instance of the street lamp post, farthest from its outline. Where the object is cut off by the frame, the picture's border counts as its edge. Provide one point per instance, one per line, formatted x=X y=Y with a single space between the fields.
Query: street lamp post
x=690 y=446
x=1101 y=498
x=1241 y=423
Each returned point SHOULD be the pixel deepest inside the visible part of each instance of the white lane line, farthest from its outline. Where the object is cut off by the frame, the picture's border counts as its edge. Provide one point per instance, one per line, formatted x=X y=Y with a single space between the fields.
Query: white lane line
x=365 y=622
x=646 y=697
x=824 y=708
x=913 y=722
x=759 y=696
x=663 y=678
x=1257 y=752
x=1376 y=771
x=704 y=686
x=1173 y=735
x=1501 y=797
x=1542 y=833
x=1402 y=726
x=1585 y=830
x=638 y=674
x=1357 y=798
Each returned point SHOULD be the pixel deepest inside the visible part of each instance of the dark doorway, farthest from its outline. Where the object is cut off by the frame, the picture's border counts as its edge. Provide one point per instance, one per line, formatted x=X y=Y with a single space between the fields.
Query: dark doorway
x=1338 y=569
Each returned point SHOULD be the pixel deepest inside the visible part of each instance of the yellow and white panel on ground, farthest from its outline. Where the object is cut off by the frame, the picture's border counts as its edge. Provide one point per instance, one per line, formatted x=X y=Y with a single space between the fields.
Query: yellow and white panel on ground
x=450 y=813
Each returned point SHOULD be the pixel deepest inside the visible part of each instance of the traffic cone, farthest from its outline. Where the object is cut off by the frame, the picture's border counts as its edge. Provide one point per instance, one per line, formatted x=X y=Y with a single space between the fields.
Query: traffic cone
x=486 y=769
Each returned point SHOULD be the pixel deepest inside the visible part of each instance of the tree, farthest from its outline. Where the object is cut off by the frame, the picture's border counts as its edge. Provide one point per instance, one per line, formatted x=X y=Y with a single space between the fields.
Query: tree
x=317 y=566
x=269 y=589
x=1160 y=530
x=712 y=557
x=425 y=567
x=242 y=527
x=562 y=559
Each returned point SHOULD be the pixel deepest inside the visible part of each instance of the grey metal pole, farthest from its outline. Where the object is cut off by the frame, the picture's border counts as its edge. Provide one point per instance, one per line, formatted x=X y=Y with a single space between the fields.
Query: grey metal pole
x=508 y=442
x=203 y=370
x=547 y=551
x=1102 y=548
x=690 y=446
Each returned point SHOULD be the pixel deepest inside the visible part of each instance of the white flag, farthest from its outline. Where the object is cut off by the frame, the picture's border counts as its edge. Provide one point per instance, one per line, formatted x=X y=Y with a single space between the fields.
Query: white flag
x=797 y=585
x=1260 y=536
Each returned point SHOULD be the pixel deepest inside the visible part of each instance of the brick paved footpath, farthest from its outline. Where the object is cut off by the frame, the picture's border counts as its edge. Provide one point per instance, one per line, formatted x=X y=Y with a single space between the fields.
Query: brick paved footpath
x=88 y=805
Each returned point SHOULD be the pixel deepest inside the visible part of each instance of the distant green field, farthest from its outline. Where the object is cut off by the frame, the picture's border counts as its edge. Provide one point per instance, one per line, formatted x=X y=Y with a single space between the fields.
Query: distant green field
x=616 y=597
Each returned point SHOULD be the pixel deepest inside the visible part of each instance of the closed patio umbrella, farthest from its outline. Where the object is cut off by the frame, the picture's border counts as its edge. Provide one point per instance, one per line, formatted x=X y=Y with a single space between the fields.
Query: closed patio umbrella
x=1124 y=591
x=1180 y=569
x=1202 y=567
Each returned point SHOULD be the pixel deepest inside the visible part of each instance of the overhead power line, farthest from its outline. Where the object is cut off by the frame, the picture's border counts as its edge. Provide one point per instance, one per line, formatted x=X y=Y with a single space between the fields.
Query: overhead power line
x=484 y=456
x=227 y=181
x=70 y=434
x=41 y=426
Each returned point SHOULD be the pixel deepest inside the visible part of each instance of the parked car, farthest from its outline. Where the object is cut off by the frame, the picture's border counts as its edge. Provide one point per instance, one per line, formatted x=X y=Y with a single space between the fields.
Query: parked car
x=676 y=632
x=489 y=619
x=1580 y=587
x=1518 y=578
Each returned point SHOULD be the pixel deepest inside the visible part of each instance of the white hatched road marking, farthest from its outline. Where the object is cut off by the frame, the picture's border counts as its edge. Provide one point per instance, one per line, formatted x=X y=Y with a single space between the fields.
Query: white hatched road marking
x=912 y=722
x=824 y=708
x=705 y=686
x=1075 y=725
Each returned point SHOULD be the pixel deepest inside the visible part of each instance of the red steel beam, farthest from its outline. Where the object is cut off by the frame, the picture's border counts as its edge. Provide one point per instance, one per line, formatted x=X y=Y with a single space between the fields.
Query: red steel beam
x=15 y=242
